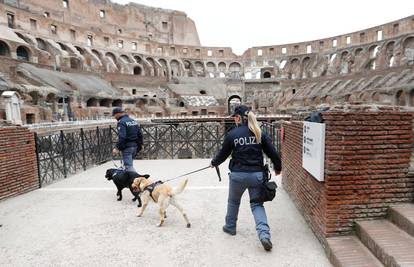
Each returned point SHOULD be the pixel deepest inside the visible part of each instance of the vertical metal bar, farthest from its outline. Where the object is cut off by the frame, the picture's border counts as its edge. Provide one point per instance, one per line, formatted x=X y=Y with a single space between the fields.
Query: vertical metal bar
x=171 y=141
x=37 y=158
x=98 y=146
x=203 y=151
x=62 y=143
x=110 y=142
x=83 y=149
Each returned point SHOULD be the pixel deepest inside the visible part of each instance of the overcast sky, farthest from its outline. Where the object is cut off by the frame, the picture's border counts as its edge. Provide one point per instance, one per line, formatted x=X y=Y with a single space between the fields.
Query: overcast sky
x=243 y=24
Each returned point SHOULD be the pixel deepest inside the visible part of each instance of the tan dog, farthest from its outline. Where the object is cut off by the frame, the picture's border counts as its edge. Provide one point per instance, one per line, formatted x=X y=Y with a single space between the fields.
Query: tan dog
x=163 y=194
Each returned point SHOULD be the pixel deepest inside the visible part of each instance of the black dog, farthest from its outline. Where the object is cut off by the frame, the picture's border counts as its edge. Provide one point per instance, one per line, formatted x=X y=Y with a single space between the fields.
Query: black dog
x=123 y=179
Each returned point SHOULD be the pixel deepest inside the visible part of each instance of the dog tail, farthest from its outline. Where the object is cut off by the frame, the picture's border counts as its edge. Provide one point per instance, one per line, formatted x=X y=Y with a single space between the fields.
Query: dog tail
x=180 y=189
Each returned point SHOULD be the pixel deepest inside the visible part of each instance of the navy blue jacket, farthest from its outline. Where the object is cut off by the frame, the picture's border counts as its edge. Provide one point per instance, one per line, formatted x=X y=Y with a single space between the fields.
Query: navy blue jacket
x=129 y=133
x=247 y=155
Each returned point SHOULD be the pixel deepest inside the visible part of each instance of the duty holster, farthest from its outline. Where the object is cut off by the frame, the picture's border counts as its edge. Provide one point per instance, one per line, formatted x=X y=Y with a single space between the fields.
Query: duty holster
x=268 y=187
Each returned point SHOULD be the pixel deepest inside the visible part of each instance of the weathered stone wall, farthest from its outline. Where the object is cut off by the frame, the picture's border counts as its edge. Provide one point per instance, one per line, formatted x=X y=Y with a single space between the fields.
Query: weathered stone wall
x=18 y=163
x=367 y=157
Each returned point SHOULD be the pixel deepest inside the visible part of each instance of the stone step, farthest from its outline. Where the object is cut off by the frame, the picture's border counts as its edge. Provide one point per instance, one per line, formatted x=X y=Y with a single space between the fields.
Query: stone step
x=403 y=216
x=391 y=245
x=348 y=251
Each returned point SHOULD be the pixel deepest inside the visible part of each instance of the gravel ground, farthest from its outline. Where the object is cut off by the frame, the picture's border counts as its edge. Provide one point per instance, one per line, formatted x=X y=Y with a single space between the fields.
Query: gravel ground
x=77 y=221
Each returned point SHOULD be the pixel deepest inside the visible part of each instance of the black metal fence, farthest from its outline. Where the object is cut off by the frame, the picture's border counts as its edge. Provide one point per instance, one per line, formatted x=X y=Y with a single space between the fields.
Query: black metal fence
x=64 y=153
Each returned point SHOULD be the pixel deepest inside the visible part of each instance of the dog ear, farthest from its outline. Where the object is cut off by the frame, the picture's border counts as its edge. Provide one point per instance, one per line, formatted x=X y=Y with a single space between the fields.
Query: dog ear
x=146 y=176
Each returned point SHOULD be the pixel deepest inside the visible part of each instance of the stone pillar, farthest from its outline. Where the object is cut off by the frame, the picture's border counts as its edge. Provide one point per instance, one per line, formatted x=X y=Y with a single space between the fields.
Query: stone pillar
x=367 y=159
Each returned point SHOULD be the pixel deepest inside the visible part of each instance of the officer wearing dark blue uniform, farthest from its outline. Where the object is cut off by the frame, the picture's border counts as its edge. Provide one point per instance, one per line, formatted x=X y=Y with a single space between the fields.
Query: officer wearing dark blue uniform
x=246 y=166
x=130 y=138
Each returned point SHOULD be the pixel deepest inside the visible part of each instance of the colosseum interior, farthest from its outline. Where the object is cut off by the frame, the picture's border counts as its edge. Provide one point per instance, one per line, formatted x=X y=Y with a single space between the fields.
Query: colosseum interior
x=76 y=59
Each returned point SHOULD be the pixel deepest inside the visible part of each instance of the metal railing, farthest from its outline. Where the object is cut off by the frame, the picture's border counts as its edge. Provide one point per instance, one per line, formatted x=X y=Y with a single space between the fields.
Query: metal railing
x=63 y=153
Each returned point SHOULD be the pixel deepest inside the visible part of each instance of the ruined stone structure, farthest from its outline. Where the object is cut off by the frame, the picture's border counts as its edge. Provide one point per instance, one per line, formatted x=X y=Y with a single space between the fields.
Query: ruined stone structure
x=76 y=59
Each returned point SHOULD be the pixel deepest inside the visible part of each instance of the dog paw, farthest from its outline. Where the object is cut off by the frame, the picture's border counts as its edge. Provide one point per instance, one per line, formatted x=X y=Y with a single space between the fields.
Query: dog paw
x=139 y=215
x=139 y=205
x=188 y=225
x=134 y=199
x=159 y=225
x=119 y=199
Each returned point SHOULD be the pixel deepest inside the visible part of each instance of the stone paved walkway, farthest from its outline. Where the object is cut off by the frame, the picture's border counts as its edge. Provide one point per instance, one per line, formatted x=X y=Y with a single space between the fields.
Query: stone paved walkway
x=77 y=221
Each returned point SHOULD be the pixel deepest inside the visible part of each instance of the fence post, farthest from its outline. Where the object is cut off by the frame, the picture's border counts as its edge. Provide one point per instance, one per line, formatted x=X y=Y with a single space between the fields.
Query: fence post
x=98 y=148
x=62 y=142
x=171 y=140
x=203 y=153
x=37 y=159
x=110 y=143
x=83 y=150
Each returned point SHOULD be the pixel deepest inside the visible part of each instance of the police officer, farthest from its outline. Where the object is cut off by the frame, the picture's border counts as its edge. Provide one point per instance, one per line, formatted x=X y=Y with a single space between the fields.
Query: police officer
x=130 y=138
x=246 y=144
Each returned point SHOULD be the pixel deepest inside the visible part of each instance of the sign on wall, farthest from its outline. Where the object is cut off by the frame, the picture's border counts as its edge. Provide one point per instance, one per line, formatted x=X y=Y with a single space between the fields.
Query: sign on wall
x=313 y=152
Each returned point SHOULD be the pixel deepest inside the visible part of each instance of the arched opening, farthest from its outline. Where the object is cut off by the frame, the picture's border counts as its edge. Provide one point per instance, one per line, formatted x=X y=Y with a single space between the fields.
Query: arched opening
x=235 y=69
x=211 y=67
x=266 y=75
x=153 y=66
x=63 y=47
x=233 y=102
x=199 y=68
x=138 y=59
x=92 y=102
x=125 y=59
x=137 y=70
x=408 y=47
x=4 y=49
x=222 y=67
x=181 y=104
x=203 y=92
x=175 y=68
x=80 y=50
x=400 y=98
x=105 y=102
x=23 y=53
x=164 y=65
x=41 y=44
x=75 y=63
x=35 y=97
x=117 y=103
x=96 y=53
x=111 y=57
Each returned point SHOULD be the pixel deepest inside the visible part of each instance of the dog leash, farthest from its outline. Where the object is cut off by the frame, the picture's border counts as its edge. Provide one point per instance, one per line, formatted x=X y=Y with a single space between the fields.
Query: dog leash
x=199 y=170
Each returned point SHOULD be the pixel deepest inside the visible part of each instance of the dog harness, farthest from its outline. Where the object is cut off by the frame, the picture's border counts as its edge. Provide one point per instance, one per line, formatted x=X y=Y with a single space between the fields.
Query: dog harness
x=152 y=187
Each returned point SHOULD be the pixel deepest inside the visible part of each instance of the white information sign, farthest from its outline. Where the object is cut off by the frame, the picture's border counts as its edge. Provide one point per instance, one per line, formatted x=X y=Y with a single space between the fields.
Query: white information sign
x=313 y=151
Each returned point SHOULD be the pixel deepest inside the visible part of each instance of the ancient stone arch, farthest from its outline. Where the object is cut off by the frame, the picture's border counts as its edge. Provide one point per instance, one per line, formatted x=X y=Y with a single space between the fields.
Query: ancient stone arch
x=4 y=49
x=175 y=68
x=23 y=53
x=235 y=69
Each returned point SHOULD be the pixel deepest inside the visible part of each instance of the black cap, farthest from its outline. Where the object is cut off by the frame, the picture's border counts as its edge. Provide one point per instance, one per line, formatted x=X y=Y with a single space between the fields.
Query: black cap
x=117 y=110
x=241 y=110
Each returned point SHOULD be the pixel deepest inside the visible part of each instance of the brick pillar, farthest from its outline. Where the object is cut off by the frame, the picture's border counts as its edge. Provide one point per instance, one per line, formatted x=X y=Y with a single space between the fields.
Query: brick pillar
x=18 y=163
x=367 y=158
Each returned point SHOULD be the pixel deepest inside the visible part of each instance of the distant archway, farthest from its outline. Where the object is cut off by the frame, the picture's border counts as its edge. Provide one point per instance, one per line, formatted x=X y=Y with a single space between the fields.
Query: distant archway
x=117 y=103
x=137 y=70
x=23 y=53
x=4 y=49
x=266 y=75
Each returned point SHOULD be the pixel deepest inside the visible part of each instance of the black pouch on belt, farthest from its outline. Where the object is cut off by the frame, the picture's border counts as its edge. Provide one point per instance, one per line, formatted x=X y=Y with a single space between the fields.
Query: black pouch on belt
x=268 y=187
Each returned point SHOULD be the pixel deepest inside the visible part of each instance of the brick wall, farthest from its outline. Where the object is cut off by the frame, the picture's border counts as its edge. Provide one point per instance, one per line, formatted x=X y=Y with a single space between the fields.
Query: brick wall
x=18 y=164
x=367 y=156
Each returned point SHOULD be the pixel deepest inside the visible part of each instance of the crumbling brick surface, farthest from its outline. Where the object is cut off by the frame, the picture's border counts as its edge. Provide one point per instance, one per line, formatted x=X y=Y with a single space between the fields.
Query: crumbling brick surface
x=18 y=164
x=367 y=157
